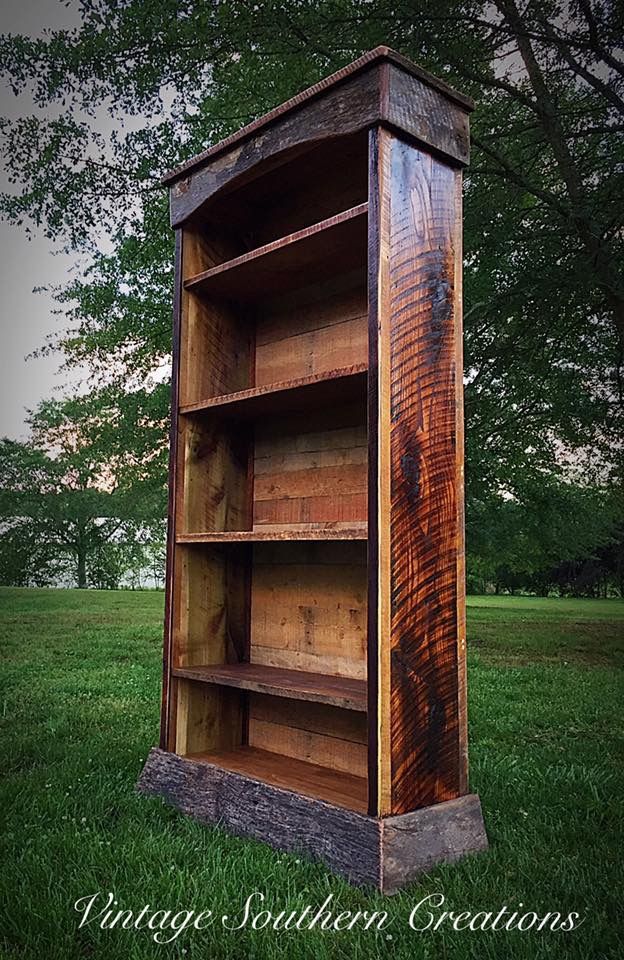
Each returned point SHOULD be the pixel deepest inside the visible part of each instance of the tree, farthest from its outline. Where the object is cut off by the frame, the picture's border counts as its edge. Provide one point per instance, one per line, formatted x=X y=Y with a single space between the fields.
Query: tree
x=70 y=502
x=543 y=228
x=541 y=542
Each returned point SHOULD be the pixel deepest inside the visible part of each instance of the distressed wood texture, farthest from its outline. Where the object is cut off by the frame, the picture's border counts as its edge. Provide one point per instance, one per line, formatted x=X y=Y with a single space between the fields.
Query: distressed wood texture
x=305 y=257
x=244 y=792
x=300 y=393
x=330 y=531
x=314 y=689
x=362 y=94
x=415 y=842
x=276 y=681
x=421 y=696
x=166 y=720
x=289 y=819
x=211 y=480
x=308 y=608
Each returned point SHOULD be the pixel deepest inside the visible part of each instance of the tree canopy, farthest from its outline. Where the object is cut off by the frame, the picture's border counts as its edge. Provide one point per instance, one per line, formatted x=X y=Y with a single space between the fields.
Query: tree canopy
x=544 y=245
x=70 y=507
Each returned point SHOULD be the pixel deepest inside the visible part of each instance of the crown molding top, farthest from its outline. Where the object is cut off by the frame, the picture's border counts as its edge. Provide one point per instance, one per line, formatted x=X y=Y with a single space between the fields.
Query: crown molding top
x=381 y=54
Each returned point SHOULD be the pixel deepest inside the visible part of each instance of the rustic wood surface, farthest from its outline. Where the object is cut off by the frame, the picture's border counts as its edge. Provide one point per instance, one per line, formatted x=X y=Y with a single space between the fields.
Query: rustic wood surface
x=415 y=842
x=308 y=608
x=216 y=339
x=327 y=665
x=330 y=737
x=212 y=483
x=352 y=100
x=343 y=111
x=210 y=587
x=299 y=393
x=292 y=196
x=329 y=531
x=309 y=779
x=167 y=722
x=386 y=854
x=295 y=684
x=426 y=114
x=346 y=840
x=425 y=492
x=372 y=413
x=336 y=245
x=295 y=338
x=310 y=467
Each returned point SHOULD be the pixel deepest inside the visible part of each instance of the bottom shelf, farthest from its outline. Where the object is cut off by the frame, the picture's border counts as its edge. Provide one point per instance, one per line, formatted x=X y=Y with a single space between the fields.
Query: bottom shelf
x=309 y=779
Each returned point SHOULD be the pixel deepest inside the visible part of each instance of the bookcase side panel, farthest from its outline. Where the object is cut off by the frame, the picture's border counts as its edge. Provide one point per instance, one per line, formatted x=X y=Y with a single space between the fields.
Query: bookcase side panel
x=166 y=721
x=211 y=479
x=420 y=594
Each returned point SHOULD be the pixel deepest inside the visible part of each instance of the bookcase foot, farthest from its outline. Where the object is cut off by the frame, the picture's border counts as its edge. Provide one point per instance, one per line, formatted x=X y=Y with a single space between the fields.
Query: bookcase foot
x=386 y=853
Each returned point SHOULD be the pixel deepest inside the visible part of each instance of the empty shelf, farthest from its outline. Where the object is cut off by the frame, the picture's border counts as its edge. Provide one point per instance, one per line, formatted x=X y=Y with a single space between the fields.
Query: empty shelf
x=342 y=789
x=294 y=684
x=335 y=386
x=351 y=531
x=333 y=246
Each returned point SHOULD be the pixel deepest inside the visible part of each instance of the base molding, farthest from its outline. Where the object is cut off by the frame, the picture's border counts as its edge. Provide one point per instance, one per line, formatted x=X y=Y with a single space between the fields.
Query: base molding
x=385 y=853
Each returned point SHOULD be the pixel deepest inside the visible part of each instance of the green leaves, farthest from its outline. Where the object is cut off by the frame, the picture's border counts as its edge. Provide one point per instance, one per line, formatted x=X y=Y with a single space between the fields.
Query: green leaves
x=81 y=491
x=138 y=87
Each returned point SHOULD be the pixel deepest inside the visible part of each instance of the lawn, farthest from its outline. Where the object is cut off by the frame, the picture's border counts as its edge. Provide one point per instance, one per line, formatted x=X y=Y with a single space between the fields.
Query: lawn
x=80 y=680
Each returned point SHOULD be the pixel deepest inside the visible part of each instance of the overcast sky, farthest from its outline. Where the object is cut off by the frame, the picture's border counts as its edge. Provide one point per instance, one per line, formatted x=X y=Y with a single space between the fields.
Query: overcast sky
x=26 y=318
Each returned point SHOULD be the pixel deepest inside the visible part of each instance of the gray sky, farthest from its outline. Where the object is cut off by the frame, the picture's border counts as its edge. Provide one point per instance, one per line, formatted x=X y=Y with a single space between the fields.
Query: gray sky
x=26 y=318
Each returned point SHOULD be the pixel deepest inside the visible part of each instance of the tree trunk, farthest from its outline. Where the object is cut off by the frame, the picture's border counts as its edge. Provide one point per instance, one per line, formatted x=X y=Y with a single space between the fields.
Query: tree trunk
x=82 y=568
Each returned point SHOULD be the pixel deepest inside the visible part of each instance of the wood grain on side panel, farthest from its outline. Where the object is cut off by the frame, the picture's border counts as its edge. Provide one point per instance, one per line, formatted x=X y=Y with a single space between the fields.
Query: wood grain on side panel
x=216 y=340
x=210 y=622
x=462 y=692
x=210 y=625
x=379 y=706
x=167 y=718
x=425 y=497
x=213 y=483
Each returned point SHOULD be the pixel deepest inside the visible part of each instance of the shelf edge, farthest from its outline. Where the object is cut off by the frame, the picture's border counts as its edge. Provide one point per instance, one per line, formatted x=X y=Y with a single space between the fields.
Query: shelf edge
x=344 y=701
x=195 y=282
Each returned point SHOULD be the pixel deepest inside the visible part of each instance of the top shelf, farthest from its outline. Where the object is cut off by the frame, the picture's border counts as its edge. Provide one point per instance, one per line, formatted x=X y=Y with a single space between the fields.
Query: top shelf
x=337 y=245
x=304 y=393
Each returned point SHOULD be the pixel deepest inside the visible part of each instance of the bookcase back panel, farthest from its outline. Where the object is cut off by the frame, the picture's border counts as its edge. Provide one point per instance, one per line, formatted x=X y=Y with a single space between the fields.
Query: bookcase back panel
x=311 y=470
x=327 y=736
x=299 y=339
x=308 y=607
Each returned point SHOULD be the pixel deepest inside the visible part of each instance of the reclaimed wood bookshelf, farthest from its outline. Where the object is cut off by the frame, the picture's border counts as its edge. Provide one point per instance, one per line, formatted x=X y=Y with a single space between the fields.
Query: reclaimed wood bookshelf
x=314 y=690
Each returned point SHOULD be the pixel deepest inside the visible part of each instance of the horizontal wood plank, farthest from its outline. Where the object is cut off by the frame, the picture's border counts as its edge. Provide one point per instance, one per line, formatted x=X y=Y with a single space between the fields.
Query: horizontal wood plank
x=334 y=531
x=294 y=684
x=347 y=383
x=307 y=779
x=335 y=245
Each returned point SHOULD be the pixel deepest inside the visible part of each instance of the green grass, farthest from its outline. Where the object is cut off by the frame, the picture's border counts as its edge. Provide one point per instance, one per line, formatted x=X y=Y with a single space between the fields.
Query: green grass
x=80 y=680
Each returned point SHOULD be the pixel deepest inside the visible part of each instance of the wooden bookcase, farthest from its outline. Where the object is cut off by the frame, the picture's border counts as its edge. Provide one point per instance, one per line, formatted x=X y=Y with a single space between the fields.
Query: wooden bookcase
x=314 y=687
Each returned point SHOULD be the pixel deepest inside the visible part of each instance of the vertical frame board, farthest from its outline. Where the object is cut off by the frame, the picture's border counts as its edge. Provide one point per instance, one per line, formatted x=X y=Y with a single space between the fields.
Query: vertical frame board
x=165 y=713
x=416 y=523
x=211 y=483
x=378 y=676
